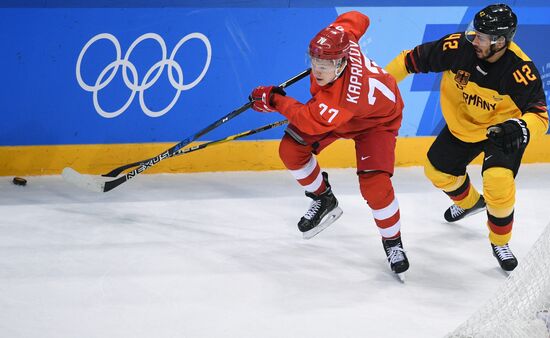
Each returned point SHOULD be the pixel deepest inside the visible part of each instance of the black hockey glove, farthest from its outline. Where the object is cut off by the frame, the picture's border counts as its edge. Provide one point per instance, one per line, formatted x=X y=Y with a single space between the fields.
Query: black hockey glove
x=509 y=136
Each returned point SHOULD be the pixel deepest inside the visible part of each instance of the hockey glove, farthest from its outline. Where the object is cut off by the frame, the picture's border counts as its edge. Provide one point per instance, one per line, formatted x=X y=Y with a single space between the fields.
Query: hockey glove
x=261 y=97
x=509 y=136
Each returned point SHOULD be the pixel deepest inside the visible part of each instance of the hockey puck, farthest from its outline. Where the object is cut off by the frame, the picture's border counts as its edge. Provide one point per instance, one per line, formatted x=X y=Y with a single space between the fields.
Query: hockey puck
x=19 y=181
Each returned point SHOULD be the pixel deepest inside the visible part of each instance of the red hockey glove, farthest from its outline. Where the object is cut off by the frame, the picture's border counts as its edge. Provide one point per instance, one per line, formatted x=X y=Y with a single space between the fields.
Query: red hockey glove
x=509 y=136
x=261 y=97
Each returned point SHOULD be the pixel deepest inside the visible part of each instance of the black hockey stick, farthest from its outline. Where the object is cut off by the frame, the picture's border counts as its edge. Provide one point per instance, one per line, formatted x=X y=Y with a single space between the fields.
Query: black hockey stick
x=119 y=170
x=74 y=177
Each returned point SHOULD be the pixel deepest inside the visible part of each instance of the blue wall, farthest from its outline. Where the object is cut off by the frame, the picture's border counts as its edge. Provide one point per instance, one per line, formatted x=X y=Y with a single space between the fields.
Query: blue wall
x=61 y=84
x=256 y=3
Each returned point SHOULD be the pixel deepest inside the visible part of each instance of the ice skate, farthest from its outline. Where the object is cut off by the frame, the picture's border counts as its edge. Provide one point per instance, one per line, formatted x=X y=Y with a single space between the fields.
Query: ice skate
x=397 y=258
x=455 y=213
x=505 y=257
x=322 y=212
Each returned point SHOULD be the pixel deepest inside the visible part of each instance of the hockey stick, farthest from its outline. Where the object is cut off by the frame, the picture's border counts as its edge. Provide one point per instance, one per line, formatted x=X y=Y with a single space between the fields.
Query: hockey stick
x=119 y=170
x=90 y=183
x=76 y=178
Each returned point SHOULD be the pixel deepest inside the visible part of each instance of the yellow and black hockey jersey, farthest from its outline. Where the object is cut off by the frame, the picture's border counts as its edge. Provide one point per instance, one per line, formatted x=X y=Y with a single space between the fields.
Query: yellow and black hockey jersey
x=476 y=94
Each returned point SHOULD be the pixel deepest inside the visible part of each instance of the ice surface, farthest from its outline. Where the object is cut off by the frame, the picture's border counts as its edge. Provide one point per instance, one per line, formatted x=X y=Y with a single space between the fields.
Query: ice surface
x=219 y=255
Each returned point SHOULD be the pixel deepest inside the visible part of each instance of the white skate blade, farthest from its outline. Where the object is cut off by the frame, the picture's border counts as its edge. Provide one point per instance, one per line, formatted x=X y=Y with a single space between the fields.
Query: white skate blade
x=544 y=315
x=470 y=214
x=83 y=181
x=329 y=218
x=476 y=212
x=400 y=277
x=504 y=272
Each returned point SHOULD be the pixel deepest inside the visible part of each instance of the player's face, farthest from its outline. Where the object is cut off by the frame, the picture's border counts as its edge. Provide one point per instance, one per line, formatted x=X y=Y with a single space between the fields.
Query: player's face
x=324 y=71
x=482 y=45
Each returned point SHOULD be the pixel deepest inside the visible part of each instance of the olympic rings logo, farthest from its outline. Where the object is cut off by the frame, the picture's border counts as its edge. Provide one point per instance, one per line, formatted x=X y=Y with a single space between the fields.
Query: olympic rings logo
x=148 y=80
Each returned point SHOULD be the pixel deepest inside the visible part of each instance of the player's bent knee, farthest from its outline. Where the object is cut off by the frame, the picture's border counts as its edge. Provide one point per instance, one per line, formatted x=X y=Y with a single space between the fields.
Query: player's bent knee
x=376 y=188
x=441 y=180
x=293 y=155
x=499 y=190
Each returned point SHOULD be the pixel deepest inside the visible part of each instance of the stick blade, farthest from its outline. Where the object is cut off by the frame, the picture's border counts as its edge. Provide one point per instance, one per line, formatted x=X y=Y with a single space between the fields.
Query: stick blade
x=83 y=181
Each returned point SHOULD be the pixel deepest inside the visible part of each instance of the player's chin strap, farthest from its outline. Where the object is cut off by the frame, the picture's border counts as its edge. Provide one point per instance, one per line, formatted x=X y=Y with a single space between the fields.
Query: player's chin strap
x=339 y=69
x=494 y=51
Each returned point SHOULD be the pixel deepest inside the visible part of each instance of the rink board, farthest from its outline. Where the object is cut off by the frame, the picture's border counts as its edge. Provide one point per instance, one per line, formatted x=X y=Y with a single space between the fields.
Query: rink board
x=232 y=156
x=96 y=85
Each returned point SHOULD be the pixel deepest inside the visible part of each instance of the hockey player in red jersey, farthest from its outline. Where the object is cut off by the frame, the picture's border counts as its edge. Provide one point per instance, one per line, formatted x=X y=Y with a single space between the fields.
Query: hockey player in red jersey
x=352 y=98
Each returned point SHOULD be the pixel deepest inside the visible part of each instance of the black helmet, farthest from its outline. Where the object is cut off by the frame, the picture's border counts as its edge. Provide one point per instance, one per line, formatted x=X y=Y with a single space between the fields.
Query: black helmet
x=496 y=20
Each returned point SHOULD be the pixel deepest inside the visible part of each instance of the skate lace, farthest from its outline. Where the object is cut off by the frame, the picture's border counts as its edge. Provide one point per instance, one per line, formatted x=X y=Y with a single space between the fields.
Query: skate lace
x=456 y=210
x=503 y=252
x=395 y=254
x=313 y=209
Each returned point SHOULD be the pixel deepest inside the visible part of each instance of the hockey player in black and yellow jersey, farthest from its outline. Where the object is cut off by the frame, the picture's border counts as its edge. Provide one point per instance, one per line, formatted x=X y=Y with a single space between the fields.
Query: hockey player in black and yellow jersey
x=493 y=102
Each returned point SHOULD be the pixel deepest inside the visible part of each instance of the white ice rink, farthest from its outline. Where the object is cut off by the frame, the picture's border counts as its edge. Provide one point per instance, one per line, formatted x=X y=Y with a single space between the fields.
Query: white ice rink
x=219 y=255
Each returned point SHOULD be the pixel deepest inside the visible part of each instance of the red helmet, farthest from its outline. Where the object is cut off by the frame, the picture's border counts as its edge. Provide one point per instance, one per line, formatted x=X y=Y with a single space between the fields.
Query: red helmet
x=329 y=44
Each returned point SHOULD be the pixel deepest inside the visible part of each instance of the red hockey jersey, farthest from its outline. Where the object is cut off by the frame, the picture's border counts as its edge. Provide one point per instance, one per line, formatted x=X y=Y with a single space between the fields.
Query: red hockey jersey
x=362 y=98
